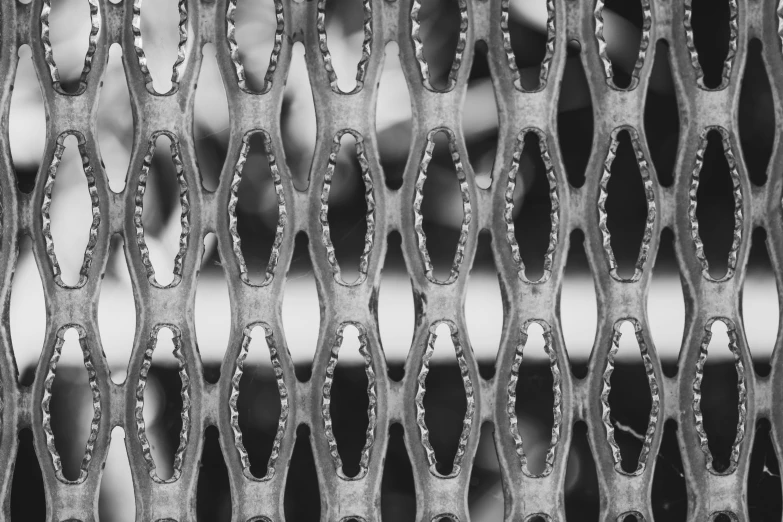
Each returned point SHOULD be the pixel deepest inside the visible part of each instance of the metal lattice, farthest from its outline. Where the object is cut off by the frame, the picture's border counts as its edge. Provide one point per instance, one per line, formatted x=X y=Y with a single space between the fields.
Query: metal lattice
x=203 y=212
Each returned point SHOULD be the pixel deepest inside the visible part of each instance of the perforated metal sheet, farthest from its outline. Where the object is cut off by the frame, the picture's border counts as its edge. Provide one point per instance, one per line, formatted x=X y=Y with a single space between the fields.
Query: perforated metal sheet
x=204 y=21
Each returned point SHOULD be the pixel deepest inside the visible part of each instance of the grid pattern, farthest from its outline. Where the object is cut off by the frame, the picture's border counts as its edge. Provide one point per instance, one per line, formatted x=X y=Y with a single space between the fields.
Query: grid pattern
x=527 y=495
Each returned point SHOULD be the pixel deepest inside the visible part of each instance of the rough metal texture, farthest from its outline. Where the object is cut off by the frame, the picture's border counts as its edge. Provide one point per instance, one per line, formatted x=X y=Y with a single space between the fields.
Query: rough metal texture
x=204 y=21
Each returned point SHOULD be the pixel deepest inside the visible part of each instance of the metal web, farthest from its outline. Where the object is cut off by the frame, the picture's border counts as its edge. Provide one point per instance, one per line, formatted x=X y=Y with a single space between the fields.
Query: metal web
x=203 y=212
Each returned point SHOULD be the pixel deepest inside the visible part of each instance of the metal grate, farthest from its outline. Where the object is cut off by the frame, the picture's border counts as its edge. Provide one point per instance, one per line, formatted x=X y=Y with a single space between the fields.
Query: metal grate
x=201 y=21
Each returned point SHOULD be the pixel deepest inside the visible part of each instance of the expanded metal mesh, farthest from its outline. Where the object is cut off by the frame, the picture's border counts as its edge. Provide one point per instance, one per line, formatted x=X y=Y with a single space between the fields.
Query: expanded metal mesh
x=493 y=400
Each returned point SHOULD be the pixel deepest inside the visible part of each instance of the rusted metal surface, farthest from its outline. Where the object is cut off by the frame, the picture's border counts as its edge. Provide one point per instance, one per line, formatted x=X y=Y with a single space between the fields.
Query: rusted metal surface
x=204 y=212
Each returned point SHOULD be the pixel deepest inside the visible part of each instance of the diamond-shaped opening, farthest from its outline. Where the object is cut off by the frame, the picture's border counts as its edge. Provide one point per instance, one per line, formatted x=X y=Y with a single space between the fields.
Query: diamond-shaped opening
x=301 y=309
x=116 y=501
x=666 y=305
x=527 y=29
x=626 y=207
x=258 y=403
x=622 y=32
x=298 y=120
x=115 y=121
x=117 y=312
x=756 y=115
x=396 y=308
x=764 y=492
x=723 y=517
x=162 y=212
x=630 y=398
x=255 y=27
x=393 y=118
x=160 y=29
x=28 y=500
x=575 y=117
x=439 y=33
x=349 y=402
x=27 y=313
x=163 y=404
x=302 y=499
x=760 y=307
x=484 y=306
x=578 y=306
x=257 y=208
x=213 y=310
x=69 y=35
x=213 y=493
x=662 y=116
x=535 y=399
x=348 y=213
x=582 y=501
x=26 y=122
x=720 y=398
x=398 y=490
x=480 y=118
x=669 y=494
x=442 y=208
x=344 y=21
x=445 y=403
x=485 y=493
x=710 y=21
x=70 y=212
x=210 y=125
x=715 y=206
x=532 y=212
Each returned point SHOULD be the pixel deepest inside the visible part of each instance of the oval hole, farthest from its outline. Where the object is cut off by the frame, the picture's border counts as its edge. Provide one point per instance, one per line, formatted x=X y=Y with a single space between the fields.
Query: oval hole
x=116 y=501
x=630 y=397
x=534 y=399
x=532 y=211
x=163 y=405
x=344 y=20
x=756 y=115
x=480 y=121
x=622 y=32
x=626 y=206
x=69 y=36
x=441 y=207
x=349 y=401
x=162 y=212
x=711 y=25
x=26 y=122
x=393 y=118
x=445 y=403
x=715 y=206
x=298 y=120
x=484 y=306
x=666 y=305
x=398 y=491
x=578 y=305
x=662 y=116
x=485 y=477
x=720 y=398
x=257 y=209
x=348 y=216
x=528 y=34
x=301 y=309
x=302 y=499
x=211 y=120
x=213 y=492
x=760 y=307
x=764 y=494
x=115 y=121
x=581 y=480
x=439 y=32
x=396 y=311
x=160 y=33
x=117 y=312
x=258 y=403
x=27 y=313
x=669 y=494
x=213 y=310
x=575 y=117
x=28 y=497
x=70 y=405
x=255 y=28
x=70 y=211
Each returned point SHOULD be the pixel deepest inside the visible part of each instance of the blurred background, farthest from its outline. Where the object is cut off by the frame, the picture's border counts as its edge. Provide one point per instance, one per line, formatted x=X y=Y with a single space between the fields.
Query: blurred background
x=257 y=215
